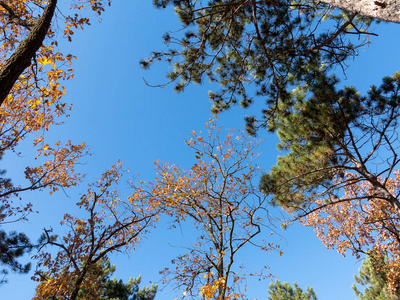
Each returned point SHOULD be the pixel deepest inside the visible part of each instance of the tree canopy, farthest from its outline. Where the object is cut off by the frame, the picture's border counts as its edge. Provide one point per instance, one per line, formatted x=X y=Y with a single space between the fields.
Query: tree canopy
x=269 y=45
x=338 y=172
x=330 y=132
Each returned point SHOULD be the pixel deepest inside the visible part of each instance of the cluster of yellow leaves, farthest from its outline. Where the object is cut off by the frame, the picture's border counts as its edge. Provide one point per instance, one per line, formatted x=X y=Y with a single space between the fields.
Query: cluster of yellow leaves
x=113 y=224
x=363 y=223
x=209 y=290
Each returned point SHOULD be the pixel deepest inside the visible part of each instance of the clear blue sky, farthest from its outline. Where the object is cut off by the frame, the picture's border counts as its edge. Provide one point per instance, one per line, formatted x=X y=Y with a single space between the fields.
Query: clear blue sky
x=120 y=117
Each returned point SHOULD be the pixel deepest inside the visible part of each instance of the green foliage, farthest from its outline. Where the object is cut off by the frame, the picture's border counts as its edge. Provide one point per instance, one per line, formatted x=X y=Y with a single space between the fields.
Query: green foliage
x=13 y=245
x=107 y=288
x=285 y=53
x=113 y=289
x=372 y=276
x=327 y=131
x=284 y=291
x=268 y=44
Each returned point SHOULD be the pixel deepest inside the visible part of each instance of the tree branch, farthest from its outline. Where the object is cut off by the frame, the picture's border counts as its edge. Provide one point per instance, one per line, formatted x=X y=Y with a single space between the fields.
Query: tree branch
x=21 y=58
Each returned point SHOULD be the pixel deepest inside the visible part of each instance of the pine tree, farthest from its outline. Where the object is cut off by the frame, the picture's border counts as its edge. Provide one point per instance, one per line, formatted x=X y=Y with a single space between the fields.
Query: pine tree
x=13 y=245
x=112 y=288
x=339 y=171
x=372 y=276
x=268 y=45
x=108 y=288
x=284 y=291
x=331 y=132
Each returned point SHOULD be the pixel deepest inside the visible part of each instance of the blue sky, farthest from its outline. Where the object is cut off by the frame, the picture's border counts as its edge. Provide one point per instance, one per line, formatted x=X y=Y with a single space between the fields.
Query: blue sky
x=121 y=118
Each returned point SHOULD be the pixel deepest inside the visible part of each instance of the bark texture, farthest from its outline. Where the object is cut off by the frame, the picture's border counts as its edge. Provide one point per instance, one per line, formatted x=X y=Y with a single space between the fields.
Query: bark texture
x=21 y=58
x=385 y=10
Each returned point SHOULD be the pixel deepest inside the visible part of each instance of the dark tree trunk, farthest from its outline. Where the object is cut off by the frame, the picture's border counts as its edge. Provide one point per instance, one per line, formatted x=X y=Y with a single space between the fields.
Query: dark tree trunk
x=22 y=57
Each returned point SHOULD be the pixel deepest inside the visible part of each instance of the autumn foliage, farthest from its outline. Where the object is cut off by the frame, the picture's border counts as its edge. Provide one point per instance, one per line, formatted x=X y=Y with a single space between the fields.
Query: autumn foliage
x=34 y=103
x=363 y=223
x=113 y=223
x=217 y=194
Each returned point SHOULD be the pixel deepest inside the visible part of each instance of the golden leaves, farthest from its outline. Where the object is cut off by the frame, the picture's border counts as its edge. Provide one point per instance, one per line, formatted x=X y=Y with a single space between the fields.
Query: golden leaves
x=58 y=172
x=216 y=194
x=361 y=222
x=35 y=100
x=210 y=289
x=34 y=103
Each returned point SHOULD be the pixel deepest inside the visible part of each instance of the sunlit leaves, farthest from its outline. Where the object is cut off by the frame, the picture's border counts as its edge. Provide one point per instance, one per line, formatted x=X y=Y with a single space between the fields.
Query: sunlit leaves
x=218 y=196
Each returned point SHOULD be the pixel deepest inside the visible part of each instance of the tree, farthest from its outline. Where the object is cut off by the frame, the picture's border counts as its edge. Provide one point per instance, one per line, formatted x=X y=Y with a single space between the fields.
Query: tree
x=283 y=291
x=217 y=194
x=269 y=45
x=32 y=69
x=113 y=224
x=332 y=132
x=249 y=42
x=229 y=46
x=364 y=224
x=12 y=245
x=375 y=282
x=116 y=289
x=339 y=174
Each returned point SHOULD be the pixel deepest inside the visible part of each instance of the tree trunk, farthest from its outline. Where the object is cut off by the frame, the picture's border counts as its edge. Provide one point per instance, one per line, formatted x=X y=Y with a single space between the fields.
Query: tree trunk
x=21 y=58
x=385 y=10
